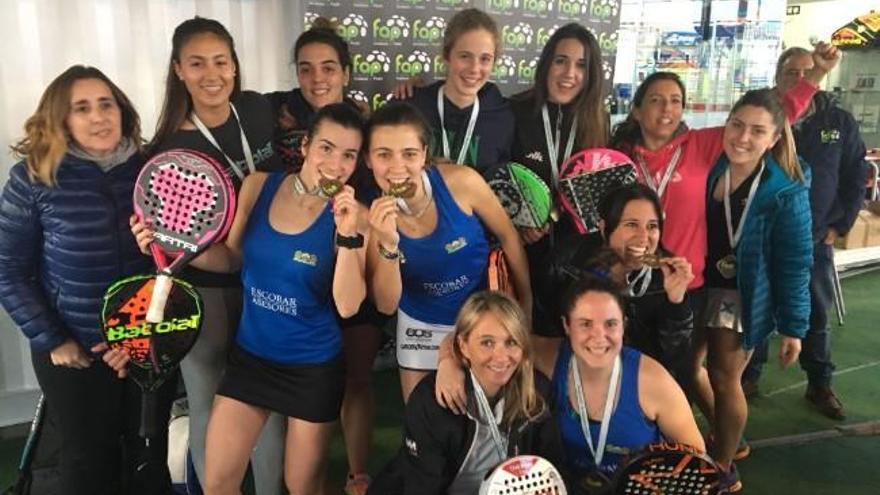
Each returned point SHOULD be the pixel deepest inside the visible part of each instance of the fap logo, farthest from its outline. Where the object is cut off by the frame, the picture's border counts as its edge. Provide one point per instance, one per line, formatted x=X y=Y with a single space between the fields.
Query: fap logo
x=411 y=3
x=373 y=65
x=379 y=100
x=537 y=6
x=543 y=35
x=415 y=64
x=391 y=30
x=309 y=19
x=505 y=69
x=439 y=66
x=607 y=69
x=429 y=31
x=502 y=6
x=573 y=8
x=604 y=9
x=525 y=70
x=517 y=36
x=358 y=96
x=447 y=4
x=352 y=27
x=608 y=43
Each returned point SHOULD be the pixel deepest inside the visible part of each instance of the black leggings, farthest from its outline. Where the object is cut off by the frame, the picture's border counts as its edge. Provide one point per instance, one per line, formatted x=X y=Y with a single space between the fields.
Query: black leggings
x=97 y=416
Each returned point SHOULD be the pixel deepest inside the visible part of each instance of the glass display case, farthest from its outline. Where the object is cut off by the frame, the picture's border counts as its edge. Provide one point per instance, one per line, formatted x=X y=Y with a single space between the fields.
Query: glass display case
x=719 y=48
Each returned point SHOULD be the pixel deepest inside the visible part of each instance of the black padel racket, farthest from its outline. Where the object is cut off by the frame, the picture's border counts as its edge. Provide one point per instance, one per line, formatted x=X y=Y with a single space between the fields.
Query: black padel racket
x=668 y=468
x=189 y=201
x=156 y=348
x=524 y=475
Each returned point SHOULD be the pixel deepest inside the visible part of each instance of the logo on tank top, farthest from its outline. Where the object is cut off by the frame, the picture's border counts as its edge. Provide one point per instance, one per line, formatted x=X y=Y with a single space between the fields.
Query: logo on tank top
x=456 y=244
x=440 y=289
x=305 y=258
x=273 y=301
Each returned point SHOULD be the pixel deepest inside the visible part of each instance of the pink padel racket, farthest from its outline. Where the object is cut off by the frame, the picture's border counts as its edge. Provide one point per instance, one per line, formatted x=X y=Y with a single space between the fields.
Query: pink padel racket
x=188 y=200
x=586 y=177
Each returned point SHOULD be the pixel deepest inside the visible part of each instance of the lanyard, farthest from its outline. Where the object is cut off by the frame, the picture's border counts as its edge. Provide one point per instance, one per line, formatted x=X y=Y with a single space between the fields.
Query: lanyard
x=644 y=276
x=489 y=415
x=599 y=451
x=731 y=236
x=245 y=146
x=553 y=145
x=472 y=123
x=667 y=175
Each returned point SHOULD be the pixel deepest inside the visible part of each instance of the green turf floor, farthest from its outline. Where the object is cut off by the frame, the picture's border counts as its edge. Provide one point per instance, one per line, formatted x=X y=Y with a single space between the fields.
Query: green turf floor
x=844 y=465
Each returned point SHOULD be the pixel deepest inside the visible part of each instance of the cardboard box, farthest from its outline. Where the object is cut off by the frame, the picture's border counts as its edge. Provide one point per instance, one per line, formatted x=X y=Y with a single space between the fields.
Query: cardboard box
x=872 y=236
x=857 y=235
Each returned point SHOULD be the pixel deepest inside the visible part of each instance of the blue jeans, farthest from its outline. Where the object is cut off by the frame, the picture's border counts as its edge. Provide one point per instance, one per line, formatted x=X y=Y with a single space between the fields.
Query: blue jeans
x=815 y=355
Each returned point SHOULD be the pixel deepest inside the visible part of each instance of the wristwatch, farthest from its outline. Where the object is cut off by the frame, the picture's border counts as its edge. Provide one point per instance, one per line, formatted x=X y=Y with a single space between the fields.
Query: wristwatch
x=350 y=242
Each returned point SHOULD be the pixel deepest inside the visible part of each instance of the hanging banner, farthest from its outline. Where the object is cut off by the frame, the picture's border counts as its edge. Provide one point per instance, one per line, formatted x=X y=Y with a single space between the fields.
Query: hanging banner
x=394 y=40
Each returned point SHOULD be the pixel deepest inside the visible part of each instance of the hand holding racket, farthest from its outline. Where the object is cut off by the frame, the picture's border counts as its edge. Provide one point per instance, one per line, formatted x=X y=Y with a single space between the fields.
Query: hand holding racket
x=672 y=468
x=188 y=201
x=524 y=475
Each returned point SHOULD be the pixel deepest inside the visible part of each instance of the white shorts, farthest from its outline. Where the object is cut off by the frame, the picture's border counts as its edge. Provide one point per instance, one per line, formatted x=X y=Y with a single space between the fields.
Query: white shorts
x=418 y=342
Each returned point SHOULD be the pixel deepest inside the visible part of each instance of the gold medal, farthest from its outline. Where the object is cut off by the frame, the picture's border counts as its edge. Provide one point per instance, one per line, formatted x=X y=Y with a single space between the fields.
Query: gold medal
x=727 y=266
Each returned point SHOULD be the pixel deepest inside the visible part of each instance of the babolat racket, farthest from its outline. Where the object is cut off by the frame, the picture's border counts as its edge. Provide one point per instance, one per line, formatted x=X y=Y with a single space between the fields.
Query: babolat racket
x=189 y=201
x=668 y=468
x=524 y=196
x=155 y=348
x=524 y=475
x=586 y=177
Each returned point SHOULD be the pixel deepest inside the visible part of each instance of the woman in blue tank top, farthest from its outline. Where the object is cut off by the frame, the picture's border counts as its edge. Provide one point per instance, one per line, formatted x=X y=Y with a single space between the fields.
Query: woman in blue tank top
x=298 y=241
x=429 y=250
x=620 y=391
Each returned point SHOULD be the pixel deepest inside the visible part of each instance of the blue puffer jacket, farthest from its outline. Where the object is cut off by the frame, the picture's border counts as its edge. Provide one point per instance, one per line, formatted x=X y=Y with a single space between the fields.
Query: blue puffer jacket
x=774 y=255
x=61 y=246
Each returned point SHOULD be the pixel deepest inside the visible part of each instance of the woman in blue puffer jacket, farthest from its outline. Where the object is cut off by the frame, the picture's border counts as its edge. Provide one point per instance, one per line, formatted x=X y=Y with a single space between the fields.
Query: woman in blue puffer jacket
x=64 y=237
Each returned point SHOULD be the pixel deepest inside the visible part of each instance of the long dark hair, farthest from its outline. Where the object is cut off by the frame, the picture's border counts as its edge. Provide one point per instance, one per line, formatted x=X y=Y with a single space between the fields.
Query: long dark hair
x=592 y=118
x=784 y=149
x=396 y=113
x=323 y=31
x=178 y=102
x=339 y=113
x=611 y=206
x=629 y=133
x=590 y=283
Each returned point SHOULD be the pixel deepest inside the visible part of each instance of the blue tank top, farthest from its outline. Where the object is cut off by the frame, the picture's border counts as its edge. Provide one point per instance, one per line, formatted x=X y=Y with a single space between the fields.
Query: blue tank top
x=629 y=431
x=443 y=268
x=287 y=315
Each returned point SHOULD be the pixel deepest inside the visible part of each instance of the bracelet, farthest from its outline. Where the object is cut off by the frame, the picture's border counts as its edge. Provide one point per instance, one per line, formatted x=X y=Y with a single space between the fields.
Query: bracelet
x=388 y=255
x=350 y=242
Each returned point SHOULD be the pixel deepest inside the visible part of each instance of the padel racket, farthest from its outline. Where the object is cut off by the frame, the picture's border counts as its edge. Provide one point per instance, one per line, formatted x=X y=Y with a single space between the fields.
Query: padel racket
x=525 y=197
x=524 y=475
x=586 y=177
x=189 y=201
x=668 y=468
x=155 y=348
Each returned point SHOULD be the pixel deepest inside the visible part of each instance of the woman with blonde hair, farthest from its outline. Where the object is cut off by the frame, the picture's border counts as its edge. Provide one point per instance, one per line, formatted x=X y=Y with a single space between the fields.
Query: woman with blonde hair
x=65 y=237
x=507 y=409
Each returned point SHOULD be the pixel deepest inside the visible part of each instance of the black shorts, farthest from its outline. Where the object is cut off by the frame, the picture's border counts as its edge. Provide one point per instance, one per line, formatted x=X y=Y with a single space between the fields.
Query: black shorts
x=311 y=392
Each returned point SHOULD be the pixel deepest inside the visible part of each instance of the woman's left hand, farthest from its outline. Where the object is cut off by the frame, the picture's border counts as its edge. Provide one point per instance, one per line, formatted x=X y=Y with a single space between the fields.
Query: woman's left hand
x=117 y=358
x=345 y=212
x=789 y=350
x=677 y=275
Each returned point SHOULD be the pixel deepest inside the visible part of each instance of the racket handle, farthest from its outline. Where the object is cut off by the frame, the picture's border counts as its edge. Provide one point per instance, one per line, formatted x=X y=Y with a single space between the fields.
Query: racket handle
x=149 y=428
x=161 y=289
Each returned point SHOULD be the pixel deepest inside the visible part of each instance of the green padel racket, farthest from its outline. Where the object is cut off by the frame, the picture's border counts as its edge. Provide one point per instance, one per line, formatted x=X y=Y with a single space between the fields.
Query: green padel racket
x=524 y=196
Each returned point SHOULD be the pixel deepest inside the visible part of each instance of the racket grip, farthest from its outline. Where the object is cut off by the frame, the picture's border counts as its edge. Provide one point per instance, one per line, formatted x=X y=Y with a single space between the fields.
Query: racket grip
x=149 y=428
x=161 y=289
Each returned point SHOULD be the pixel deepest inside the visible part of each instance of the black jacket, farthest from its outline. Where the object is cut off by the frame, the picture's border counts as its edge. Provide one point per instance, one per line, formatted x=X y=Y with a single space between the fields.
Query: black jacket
x=530 y=145
x=61 y=246
x=829 y=140
x=493 y=133
x=437 y=440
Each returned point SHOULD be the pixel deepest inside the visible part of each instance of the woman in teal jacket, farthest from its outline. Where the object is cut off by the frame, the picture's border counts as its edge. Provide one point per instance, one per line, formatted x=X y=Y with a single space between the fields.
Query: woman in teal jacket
x=757 y=265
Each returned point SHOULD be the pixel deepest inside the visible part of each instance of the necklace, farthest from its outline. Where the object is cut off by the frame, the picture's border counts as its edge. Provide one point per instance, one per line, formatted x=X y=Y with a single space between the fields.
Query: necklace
x=429 y=192
x=299 y=187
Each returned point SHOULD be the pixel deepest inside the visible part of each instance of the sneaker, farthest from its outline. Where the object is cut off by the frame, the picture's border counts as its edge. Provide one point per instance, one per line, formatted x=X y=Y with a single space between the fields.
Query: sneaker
x=825 y=402
x=357 y=484
x=730 y=482
x=743 y=449
x=750 y=389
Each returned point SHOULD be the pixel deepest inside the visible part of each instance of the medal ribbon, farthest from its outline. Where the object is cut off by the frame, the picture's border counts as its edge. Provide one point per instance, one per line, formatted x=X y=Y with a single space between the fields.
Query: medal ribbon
x=245 y=146
x=728 y=217
x=667 y=175
x=610 y=398
x=469 y=133
x=553 y=145
x=429 y=194
x=489 y=415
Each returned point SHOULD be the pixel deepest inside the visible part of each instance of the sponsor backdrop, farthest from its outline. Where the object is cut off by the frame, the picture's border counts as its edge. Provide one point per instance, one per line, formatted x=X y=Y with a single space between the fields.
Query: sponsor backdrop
x=392 y=40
